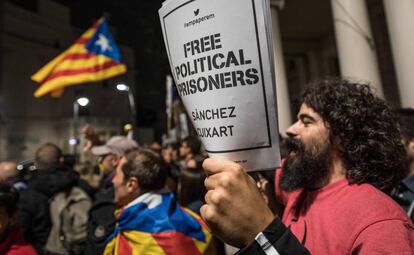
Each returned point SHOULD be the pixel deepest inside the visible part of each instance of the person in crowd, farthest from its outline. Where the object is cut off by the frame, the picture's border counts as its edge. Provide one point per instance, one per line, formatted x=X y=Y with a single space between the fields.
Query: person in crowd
x=150 y=221
x=69 y=217
x=170 y=153
x=191 y=190
x=189 y=150
x=11 y=240
x=88 y=180
x=101 y=216
x=155 y=146
x=11 y=175
x=49 y=178
x=170 y=156
x=404 y=193
x=344 y=152
x=110 y=154
x=8 y=171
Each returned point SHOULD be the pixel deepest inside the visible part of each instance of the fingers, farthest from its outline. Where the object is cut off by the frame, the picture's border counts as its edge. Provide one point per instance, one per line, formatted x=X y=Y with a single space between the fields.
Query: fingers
x=216 y=180
x=214 y=197
x=223 y=173
x=208 y=213
x=225 y=179
x=217 y=165
x=209 y=182
x=212 y=211
x=203 y=209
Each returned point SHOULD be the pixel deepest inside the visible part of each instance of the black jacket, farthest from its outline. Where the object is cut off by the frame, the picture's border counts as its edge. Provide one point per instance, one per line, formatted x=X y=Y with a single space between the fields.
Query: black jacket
x=403 y=194
x=34 y=216
x=101 y=221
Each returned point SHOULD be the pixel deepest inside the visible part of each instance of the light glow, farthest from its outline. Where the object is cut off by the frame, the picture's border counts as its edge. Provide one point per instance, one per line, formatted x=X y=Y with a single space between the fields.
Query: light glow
x=122 y=87
x=83 y=101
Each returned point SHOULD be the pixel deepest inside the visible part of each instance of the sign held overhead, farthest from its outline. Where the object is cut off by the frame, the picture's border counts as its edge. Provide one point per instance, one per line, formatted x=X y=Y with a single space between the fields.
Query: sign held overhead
x=221 y=58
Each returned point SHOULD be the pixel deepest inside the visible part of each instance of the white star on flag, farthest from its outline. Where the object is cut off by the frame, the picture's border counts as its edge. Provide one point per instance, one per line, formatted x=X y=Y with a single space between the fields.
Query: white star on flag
x=103 y=42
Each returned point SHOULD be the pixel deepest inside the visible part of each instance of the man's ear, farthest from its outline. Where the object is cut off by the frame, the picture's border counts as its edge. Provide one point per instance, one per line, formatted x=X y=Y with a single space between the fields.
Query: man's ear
x=116 y=159
x=132 y=185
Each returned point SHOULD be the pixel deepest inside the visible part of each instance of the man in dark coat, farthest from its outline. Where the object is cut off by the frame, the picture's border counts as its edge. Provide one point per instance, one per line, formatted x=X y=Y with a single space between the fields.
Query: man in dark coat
x=48 y=179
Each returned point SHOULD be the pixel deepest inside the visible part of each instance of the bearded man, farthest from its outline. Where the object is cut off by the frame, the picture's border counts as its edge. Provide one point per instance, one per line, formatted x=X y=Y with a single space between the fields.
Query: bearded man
x=345 y=154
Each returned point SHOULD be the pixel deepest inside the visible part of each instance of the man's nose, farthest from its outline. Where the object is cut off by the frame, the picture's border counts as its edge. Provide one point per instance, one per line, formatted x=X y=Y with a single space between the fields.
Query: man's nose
x=292 y=131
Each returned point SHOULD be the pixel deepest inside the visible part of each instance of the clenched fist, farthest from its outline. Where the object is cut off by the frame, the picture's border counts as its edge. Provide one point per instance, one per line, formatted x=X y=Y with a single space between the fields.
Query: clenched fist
x=235 y=210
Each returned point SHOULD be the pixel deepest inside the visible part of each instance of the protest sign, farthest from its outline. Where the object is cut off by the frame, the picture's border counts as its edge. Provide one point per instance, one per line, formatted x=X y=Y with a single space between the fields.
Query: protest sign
x=221 y=57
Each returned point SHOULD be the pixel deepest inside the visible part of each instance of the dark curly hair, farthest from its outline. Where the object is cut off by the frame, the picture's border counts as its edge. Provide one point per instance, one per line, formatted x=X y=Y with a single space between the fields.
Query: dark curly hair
x=370 y=141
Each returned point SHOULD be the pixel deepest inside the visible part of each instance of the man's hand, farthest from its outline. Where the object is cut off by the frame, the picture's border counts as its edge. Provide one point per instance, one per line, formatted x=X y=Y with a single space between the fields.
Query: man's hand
x=92 y=138
x=234 y=210
x=88 y=130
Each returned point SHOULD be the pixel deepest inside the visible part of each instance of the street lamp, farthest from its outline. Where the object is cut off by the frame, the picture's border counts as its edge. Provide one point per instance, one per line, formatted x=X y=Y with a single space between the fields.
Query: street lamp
x=123 y=87
x=83 y=102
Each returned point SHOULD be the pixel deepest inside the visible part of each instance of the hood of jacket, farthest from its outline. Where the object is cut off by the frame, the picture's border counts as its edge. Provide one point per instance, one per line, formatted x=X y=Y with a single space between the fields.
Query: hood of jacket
x=53 y=180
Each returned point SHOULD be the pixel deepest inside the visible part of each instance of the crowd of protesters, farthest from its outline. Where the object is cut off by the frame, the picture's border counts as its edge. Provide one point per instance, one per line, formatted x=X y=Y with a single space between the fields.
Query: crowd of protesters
x=38 y=198
x=347 y=152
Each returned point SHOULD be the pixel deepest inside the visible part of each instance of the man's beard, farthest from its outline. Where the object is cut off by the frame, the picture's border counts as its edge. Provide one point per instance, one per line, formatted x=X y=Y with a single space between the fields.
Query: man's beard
x=304 y=169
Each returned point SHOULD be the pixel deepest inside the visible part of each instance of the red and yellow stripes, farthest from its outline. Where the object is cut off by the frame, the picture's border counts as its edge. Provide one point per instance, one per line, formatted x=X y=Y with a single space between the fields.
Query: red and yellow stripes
x=164 y=243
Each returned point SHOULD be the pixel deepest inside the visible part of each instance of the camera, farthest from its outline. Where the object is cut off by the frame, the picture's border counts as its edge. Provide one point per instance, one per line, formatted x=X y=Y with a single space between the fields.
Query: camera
x=25 y=168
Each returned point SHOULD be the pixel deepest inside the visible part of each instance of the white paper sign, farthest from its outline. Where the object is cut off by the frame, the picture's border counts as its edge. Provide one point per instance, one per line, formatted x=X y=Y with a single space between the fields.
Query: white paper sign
x=219 y=56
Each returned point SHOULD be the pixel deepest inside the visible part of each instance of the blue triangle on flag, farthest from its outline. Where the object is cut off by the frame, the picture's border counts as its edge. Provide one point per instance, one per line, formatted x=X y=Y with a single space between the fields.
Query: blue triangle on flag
x=102 y=43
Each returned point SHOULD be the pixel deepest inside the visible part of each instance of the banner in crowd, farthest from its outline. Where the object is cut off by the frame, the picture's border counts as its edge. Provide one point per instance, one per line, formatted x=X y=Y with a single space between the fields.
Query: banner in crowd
x=221 y=57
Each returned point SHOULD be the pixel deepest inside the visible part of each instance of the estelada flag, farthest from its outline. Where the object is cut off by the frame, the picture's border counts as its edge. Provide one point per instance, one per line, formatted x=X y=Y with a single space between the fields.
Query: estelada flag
x=156 y=224
x=93 y=57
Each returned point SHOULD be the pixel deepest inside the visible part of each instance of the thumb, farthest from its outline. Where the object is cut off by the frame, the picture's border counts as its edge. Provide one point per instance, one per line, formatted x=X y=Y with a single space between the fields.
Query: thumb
x=218 y=164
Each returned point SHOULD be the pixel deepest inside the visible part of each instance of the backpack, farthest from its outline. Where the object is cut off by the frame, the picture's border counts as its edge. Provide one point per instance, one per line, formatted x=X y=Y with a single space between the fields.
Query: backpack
x=69 y=216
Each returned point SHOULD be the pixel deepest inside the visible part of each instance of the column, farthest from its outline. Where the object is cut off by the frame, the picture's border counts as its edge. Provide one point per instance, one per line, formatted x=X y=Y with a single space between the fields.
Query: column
x=283 y=101
x=356 y=49
x=400 y=20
